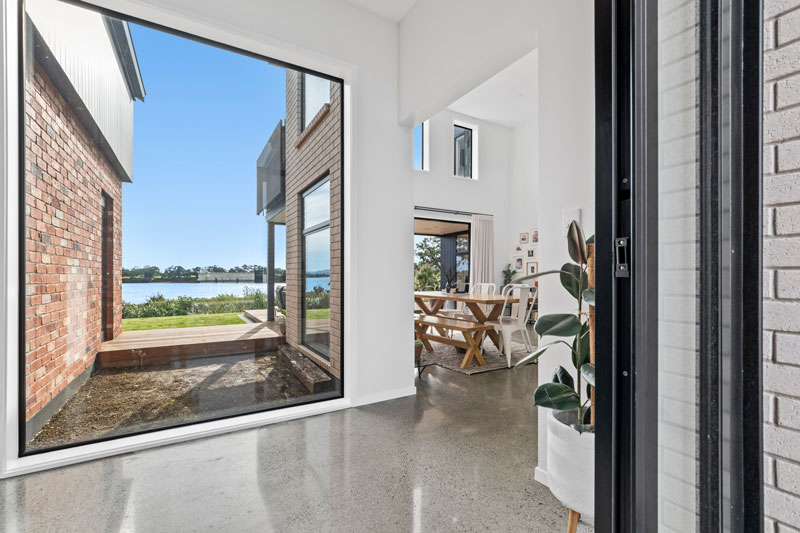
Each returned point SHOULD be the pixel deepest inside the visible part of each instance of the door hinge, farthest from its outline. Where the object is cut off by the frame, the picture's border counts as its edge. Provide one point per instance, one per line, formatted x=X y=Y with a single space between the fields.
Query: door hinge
x=622 y=269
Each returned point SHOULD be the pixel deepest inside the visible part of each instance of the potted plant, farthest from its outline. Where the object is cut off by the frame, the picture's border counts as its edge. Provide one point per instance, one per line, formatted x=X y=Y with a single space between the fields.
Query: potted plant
x=450 y=279
x=417 y=350
x=508 y=274
x=570 y=423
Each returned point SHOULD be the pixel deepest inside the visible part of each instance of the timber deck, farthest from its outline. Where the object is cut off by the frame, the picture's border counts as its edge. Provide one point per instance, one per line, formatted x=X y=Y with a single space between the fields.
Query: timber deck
x=162 y=346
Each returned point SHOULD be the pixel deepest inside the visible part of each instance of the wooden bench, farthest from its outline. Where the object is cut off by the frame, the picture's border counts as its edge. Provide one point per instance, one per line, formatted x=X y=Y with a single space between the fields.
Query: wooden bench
x=473 y=334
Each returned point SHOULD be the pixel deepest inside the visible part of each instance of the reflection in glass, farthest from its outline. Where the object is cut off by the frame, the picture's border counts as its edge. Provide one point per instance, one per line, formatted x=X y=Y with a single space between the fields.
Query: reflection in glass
x=208 y=324
x=316 y=93
x=317 y=205
x=463 y=151
x=317 y=306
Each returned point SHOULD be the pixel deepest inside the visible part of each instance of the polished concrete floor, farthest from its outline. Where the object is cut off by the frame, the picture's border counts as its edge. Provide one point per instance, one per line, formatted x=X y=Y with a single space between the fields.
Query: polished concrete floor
x=459 y=456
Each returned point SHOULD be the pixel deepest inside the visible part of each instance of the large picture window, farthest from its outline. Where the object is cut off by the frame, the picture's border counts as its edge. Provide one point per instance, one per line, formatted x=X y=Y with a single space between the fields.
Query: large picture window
x=160 y=286
x=317 y=267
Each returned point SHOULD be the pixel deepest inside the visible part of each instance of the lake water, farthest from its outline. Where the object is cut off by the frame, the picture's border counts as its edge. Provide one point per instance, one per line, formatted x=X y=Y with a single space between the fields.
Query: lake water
x=138 y=293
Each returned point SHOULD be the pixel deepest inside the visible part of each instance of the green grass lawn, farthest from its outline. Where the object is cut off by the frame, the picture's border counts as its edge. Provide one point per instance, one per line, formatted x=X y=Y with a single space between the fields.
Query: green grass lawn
x=315 y=314
x=185 y=321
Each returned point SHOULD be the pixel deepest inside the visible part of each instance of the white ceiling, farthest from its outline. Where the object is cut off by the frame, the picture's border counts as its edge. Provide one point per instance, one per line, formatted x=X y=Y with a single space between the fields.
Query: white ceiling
x=393 y=10
x=508 y=98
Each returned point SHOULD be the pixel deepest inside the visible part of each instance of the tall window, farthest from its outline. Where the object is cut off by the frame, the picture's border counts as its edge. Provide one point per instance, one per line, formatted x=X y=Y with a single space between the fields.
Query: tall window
x=462 y=151
x=317 y=267
x=421 y=146
x=191 y=316
x=316 y=93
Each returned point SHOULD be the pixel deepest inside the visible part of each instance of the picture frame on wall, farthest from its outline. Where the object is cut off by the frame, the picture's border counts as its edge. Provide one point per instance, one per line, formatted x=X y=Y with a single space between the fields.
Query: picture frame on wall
x=523 y=238
x=534 y=236
x=532 y=267
x=518 y=266
x=531 y=253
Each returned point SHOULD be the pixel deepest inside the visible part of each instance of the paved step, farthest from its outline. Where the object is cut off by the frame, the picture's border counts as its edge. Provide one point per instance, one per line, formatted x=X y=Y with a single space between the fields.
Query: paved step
x=313 y=377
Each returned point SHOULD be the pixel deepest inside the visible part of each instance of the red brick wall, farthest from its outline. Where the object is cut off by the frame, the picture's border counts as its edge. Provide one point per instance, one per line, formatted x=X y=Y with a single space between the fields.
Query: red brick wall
x=65 y=176
x=310 y=155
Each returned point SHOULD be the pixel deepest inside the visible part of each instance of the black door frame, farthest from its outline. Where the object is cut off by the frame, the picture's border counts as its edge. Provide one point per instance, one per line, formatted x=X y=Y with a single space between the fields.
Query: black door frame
x=626 y=58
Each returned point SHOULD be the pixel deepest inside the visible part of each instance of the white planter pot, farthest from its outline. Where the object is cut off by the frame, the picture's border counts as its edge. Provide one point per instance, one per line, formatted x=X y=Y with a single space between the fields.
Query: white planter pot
x=570 y=464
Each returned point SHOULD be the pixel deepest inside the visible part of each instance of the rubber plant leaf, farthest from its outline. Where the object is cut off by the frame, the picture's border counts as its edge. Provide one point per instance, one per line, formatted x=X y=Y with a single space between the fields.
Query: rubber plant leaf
x=576 y=243
x=562 y=376
x=587 y=371
x=556 y=396
x=558 y=325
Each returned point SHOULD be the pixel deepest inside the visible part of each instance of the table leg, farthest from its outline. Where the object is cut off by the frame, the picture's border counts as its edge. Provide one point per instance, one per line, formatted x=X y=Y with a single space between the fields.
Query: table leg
x=474 y=351
x=421 y=331
x=494 y=313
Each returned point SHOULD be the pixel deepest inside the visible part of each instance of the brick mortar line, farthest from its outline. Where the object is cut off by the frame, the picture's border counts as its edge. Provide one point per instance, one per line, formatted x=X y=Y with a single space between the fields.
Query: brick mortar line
x=778 y=110
x=785 y=460
x=784 y=491
x=782 y=14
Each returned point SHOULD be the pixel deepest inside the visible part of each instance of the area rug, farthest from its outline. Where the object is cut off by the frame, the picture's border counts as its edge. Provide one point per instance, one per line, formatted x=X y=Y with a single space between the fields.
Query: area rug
x=448 y=357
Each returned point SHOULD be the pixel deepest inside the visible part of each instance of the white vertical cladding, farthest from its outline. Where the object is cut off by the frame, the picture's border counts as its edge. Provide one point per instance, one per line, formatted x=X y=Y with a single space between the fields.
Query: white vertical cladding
x=81 y=45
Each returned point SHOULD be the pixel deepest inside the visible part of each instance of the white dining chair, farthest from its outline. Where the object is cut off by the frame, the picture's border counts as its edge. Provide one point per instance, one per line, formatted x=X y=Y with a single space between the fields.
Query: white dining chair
x=517 y=321
x=478 y=288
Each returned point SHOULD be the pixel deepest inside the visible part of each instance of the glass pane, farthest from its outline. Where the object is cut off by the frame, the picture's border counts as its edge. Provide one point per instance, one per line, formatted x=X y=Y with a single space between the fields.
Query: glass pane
x=418 y=146
x=316 y=93
x=462 y=243
x=462 y=272
x=316 y=326
x=317 y=205
x=144 y=270
x=463 y=151
x=678 y=268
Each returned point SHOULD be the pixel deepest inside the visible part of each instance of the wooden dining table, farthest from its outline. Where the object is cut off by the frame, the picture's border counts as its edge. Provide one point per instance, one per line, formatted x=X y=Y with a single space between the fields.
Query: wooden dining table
x=484 y=307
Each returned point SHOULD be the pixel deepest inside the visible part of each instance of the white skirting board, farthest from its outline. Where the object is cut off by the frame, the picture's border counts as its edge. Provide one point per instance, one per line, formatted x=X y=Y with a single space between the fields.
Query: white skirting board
x=540 y=475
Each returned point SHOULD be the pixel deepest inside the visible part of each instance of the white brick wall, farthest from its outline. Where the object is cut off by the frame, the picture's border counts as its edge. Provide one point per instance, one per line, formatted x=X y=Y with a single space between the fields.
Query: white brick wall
x=782 y=265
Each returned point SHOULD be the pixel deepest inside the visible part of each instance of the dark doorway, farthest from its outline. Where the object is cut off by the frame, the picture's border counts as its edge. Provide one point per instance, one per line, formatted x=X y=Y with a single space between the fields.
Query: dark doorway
x=454 y=244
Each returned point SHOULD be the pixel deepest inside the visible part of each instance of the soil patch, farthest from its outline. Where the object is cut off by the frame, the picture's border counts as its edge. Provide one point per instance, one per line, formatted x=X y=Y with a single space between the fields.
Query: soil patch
x=118 y=401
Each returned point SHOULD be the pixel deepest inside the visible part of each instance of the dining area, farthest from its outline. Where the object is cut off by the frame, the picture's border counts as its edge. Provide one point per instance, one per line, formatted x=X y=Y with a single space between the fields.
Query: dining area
x=476 y=323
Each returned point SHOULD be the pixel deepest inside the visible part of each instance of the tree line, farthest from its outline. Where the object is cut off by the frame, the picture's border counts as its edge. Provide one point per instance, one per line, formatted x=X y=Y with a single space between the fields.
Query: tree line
x=176 y=273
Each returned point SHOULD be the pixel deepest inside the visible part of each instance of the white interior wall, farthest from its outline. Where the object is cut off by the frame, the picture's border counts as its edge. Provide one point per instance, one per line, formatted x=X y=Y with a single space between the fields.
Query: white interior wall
x=523 y=195
x=448 y=47
x=566 y=157
x=489 y=194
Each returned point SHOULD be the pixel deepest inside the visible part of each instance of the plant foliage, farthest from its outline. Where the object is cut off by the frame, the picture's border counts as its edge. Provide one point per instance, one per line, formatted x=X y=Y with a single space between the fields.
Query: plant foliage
x=564 y=393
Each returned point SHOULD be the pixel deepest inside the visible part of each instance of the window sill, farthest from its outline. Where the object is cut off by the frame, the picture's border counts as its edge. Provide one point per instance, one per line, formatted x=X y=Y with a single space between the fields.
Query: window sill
x=464 y=178
x=313 y=125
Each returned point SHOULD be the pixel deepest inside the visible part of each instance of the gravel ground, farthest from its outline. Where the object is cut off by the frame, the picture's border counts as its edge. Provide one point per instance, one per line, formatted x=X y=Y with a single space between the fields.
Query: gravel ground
x=118 y=401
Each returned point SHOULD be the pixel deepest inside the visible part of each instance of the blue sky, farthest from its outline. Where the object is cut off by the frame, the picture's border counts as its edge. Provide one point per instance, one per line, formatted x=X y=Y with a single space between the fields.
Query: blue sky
x=207 y=115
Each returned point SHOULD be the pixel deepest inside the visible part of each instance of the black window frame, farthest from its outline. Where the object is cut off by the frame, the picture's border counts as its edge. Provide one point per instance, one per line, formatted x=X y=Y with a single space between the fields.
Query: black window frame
x=471 y=151
x=730 y=482
x=20 y=333
x=305 y=232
